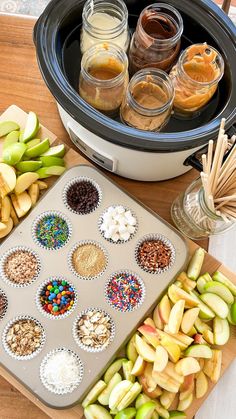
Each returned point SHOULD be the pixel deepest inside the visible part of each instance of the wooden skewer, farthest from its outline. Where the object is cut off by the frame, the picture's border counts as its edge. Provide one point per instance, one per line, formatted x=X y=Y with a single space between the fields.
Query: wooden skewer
x=228 y=211
x=223 y=145
x=204 y=163
x=209 y=156
x=225 y=198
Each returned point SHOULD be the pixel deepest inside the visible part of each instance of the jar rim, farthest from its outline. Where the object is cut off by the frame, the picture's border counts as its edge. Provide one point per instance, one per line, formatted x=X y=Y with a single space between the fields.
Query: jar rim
x=121 y=6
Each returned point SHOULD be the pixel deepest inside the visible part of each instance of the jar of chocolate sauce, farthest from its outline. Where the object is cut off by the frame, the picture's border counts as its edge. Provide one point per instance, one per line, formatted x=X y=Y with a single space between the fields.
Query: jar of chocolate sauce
x=156 y=41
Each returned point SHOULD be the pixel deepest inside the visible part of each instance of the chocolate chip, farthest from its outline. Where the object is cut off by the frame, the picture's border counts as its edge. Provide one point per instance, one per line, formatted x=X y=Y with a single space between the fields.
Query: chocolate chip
x=82 y=197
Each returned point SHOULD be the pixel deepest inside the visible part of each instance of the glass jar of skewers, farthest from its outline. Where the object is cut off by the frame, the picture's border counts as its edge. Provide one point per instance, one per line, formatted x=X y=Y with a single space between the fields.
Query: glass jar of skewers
x=195 y=216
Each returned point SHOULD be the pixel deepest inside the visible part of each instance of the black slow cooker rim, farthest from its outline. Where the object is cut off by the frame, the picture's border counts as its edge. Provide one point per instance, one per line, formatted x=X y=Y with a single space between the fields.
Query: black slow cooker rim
x=110 y=130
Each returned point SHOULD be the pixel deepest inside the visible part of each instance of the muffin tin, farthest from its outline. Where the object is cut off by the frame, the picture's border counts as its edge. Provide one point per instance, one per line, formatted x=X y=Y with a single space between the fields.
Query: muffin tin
x=90 y=293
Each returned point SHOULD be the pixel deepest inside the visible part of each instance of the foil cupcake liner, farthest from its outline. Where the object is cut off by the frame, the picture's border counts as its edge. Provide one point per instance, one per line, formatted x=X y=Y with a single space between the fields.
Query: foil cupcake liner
x=78 y=339
x=4 y=303
x=142 y=286
x=47 y=214
x=166 y=242
x=49 y=386
x=6 y=346
x=39 y=305
x=71 y=265
x=7 y=255
x=73 y=182
x=100 y=221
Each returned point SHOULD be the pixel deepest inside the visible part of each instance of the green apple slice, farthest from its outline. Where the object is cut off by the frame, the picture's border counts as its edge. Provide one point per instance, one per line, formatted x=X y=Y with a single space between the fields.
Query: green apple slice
x=33 y=142
x=31 y=127
x=221 y=290
x=114 y=367
x=94 y=393
x=128 y=413
x=118 y=393
x=28 y=166
x=199 y=351
x=216 y=304
x=48 y=161
x=8 y=126
x=130 y=396
x=202 y=280
x=131 y=352
x=146 y=410
x=233 y=312
x=38 y=149
x=141 y=399
x=201 y=326
x=221 y=331
x=56 y=151
x=219 y=277
x=230 y=318
x=195 y=265
x=45 y=172
x=7 y=179
x=205 y=312
x=127 y=368
x=11 y=138
x=176 y=414
x=94 y=411
x=24 y=181
x=103 y=397
x=13 y=153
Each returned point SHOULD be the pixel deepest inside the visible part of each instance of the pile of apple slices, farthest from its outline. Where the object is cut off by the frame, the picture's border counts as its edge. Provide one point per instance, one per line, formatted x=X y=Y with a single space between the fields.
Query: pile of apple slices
x=172 y=354
x=25 y=160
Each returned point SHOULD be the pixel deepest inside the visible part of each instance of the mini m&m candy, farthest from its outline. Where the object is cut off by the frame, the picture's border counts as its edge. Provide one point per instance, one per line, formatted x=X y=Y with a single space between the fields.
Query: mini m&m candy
x=57 y=297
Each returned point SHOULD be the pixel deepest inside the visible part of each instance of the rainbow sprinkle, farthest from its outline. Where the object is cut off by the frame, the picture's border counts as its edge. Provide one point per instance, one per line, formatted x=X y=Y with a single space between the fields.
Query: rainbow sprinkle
x=52 y=232
x=124 y=291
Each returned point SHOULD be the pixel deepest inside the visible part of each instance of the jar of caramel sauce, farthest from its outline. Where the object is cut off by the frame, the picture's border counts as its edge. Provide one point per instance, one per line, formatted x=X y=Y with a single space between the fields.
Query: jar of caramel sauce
x=156 y=41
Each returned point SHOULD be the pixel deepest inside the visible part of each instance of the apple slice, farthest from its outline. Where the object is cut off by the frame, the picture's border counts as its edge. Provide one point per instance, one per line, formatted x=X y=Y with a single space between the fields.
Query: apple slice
x=201 y=326
x=187 y=386
x=94 y=393
x=6 y=209
x=21 y=203
x=94 y=411
x=221 y=331
x=192 y=332
x=131 y=352
x=130 y=396
x=145 y=385
x=48 y=161
x=145 y=350
x=212 y=367
x=189 y=319
x=34 y=193
x=139 y=366
x=187 y=283
x=221 y=290
x=219 y=277
x=141 y=399
x=56 y=151
x=14 y=216
x=127 y=367
x=128 y=413
x=176 y=316
x=33 y=142
x=166 y=382
x=45 y=172
x=8 y=126
x=113 y=369
x=168 y=338
x=148 y=374
x=202 y=281
x=150 y=334
x=176 y=414
x=146 y=410
x=157 y=318
x=31 y=127
x=205 y=312
x=198 y=339
x=164 y=309
x=13 y=153
x=180 y=338
x=150 y=322
x=24 y=181
x=187 y=366
x=7 y=179
x=167 y=399
x=161 y=410
x=216 y=304
x=195 y=264
x=176 y=294
x=118 y=393
x=8 y=227
x=185 y=403
x=161 y=359
x=11 y=138
x=199 y=351
x=103 y=397
x=42 y=185
x=201 y=385
x=208 y=336
x=233 y=313
x=38 y=149
x=173 y=350
x=28 y=166
x=170 y=370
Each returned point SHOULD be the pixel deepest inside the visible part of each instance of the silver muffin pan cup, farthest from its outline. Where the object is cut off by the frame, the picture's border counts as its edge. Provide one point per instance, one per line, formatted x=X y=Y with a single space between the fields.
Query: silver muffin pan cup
x=90 y=293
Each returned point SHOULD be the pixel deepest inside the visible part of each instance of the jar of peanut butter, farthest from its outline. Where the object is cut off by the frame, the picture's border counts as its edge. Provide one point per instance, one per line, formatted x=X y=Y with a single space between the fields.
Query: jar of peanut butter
x=148 y=101
x=195 y=78
x=104 y=77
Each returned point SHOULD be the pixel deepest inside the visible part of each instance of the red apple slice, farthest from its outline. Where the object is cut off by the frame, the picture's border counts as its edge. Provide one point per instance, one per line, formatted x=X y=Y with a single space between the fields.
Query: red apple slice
x=143 y=349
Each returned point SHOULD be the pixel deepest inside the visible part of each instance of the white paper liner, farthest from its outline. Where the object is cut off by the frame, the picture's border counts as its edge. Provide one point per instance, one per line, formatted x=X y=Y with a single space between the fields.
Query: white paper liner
x=78 y=340
x=166 y=241
x=142 y=286
x=4 y=259
x=49 y=386
x=6 y=346
x=70 y=259
x=100 y=221
x=44 y=215
x=73 y=182
x=39 y=305
x=5 y=301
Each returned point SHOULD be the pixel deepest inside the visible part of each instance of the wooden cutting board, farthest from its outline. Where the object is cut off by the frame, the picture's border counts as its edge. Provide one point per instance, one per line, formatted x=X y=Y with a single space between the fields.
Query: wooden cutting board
x=72 y=158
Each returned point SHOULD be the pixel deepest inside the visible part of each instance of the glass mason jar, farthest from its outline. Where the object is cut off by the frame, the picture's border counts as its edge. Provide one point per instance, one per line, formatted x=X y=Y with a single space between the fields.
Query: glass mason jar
x=104 y=21
x=148 y=101
x=104 y=77
x=193 y=217
x=156 y=41
x=195 y=78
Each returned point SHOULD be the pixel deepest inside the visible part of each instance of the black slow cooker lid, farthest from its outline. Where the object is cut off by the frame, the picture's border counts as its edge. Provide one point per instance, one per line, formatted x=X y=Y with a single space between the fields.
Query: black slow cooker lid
x=50 y=31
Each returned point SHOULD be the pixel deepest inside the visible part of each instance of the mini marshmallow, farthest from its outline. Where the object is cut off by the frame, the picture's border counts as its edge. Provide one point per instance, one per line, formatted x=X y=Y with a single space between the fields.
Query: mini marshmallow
x=118 y=224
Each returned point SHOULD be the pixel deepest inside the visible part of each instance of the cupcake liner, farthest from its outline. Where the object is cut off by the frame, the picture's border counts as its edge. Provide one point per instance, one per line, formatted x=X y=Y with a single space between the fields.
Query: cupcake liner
x=5 y=303
x=166 y=242
x=6 y=256
x=7 y=348
x=100 y=221
x=41 y=217
x=142 y=286
x=70 y=259
x=78 y=340
x=73 y=182
x=49 y=386
x=39 y=305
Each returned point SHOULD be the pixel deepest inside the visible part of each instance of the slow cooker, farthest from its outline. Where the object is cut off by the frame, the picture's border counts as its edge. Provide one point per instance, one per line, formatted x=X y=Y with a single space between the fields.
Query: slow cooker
x=132 y=153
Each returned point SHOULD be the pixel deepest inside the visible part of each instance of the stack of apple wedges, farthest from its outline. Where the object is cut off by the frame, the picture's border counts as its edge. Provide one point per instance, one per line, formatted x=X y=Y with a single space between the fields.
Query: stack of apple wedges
x=25 y=161
x=173 y=354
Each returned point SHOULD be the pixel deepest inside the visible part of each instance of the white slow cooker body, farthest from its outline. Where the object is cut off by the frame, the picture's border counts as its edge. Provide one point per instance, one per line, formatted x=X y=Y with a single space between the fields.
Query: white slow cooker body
x=126 y=162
